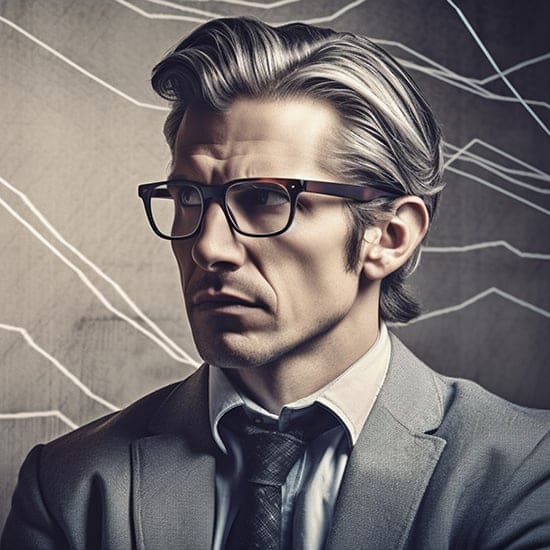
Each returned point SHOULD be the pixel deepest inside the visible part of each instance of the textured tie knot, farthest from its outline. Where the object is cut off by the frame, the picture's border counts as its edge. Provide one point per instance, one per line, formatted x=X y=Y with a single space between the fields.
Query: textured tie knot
x=269 y=454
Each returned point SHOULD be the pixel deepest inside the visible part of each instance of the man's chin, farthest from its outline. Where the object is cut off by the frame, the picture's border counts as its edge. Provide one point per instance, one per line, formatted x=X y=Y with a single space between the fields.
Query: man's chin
x=232 y=359
x=231 y=350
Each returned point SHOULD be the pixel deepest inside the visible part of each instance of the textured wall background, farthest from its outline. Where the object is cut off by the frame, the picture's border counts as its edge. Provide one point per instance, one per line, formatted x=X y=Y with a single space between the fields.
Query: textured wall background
x=91 y=316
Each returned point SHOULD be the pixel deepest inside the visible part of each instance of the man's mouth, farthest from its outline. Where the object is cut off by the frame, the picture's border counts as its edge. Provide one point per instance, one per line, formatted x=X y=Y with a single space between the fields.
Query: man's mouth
x=223 y=301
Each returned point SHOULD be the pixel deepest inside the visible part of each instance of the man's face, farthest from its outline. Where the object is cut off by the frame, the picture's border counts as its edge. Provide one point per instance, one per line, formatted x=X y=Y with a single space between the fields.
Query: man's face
x=254 y=301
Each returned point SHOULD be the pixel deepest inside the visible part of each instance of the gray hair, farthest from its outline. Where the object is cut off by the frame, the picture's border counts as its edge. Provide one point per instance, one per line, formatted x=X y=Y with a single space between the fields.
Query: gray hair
x=387 y=136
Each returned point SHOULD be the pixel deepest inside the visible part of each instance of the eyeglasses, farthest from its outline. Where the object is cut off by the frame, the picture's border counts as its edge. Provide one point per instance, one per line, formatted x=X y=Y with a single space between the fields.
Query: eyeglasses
x=256 y=207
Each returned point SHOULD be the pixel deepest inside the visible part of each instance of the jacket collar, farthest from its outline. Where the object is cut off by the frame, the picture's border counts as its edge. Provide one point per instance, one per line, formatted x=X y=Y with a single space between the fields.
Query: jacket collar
x=184 y=412
x=392 y=463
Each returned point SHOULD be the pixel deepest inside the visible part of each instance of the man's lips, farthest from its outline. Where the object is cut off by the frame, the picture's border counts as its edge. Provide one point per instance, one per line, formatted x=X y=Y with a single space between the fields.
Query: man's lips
x=214 y=299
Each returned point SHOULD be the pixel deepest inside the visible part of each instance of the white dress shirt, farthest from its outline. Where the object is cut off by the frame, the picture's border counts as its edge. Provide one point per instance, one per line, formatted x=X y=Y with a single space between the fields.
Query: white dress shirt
x=310 y=491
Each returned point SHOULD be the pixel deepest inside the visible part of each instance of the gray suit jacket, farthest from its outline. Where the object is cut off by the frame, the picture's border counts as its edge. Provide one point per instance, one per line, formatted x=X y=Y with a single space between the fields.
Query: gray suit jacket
x=441 y=463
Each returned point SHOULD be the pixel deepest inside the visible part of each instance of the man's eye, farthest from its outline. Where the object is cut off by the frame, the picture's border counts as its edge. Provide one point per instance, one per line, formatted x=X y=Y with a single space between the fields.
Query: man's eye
x=189 y=197
x=256 y=197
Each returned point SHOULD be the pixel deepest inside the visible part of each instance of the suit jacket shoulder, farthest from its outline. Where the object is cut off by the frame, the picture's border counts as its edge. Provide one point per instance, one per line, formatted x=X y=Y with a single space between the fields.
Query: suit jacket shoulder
x=442 y=463
x=491 y=485
x=72 y=488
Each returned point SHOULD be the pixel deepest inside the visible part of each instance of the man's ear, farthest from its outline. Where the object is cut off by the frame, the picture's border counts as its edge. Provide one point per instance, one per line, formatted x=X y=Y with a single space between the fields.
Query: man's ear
x=388 y=244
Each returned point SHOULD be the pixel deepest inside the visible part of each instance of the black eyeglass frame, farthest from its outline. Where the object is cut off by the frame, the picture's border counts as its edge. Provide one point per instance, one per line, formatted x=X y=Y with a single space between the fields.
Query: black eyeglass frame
x=294 y=187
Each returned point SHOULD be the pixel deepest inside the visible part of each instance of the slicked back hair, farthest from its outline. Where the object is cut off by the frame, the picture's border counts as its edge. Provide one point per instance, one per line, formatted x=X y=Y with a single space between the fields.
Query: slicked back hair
x=387 y=132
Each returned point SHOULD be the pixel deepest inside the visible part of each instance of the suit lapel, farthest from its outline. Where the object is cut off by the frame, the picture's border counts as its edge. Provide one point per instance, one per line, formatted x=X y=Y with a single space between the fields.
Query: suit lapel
x=393 y=461
x=173 y=489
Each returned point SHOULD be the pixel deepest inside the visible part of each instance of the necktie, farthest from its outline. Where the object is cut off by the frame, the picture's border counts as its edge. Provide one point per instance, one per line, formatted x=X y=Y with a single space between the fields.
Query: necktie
x=268 y=457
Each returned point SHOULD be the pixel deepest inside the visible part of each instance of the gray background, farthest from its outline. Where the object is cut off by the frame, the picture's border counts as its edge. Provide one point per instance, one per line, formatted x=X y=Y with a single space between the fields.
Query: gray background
x=91 y=316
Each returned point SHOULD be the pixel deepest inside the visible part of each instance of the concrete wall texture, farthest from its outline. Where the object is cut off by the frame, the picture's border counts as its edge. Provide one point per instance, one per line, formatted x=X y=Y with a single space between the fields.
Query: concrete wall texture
x=91 y=316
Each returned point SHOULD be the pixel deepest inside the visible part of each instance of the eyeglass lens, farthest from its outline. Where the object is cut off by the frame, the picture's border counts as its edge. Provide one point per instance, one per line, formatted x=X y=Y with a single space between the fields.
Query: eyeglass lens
x=254 y=208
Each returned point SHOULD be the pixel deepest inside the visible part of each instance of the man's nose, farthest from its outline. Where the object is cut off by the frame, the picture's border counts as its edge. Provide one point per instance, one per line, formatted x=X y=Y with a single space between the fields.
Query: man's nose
x=217 y=246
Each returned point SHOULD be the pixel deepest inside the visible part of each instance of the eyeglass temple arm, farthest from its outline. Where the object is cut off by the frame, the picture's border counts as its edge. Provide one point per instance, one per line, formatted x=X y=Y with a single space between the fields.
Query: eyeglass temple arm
x=356 y=192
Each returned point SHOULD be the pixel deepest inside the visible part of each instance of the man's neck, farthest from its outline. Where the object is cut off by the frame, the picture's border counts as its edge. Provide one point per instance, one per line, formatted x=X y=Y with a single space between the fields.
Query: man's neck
x=294 y=377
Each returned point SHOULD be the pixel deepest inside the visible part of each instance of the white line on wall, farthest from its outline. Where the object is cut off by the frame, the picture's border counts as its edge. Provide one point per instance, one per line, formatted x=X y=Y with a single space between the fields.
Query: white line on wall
x=489 y=57
x=245 y=3
x=473 y=300
x=483 y=246
x=120 y=291
x=39 y=414
x=464 y=153
x=500 y=190
x=61 y=368
x=210 y=15
x=180 y=356
x=80 y=69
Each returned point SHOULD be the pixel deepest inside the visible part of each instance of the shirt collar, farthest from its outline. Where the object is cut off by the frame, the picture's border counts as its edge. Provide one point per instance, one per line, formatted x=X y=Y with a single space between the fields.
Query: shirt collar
x=350 y=396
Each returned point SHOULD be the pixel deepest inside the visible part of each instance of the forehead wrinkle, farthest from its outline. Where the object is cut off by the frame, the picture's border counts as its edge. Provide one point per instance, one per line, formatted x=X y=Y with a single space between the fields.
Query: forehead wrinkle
x=222 y=150
x=223 y=164
x=209 y=170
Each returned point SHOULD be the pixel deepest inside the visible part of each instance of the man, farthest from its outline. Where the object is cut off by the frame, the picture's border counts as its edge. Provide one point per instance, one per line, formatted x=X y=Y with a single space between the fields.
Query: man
x=306 y=170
